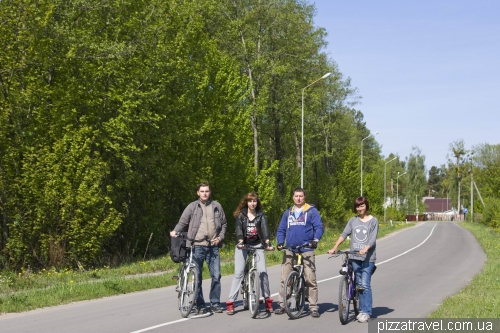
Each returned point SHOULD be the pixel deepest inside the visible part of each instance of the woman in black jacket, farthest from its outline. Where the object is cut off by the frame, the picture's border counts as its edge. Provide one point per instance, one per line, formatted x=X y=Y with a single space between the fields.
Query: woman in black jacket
x=252 y=230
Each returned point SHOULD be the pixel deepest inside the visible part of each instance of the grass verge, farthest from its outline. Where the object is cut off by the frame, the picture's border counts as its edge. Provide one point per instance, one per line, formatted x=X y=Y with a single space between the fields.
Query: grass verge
x=28 y=290
x=481 y=297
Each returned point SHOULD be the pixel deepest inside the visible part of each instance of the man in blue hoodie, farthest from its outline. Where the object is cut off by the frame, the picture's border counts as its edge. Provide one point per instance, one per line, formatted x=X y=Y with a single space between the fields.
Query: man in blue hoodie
x=299 y=225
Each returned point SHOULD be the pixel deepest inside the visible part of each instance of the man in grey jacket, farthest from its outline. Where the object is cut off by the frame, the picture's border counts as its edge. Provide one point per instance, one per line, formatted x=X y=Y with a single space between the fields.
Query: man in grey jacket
x=205 y=220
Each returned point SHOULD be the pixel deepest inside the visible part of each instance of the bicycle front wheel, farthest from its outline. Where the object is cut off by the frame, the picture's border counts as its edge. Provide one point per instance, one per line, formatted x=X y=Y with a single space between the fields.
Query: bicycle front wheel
x=294 y=295
x=253 y=293
x=187 y=295
x=344 y=300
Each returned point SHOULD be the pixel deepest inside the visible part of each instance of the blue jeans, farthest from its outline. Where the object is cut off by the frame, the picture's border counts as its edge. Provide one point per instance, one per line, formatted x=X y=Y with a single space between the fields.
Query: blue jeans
x=210 y=254
x=363 y=271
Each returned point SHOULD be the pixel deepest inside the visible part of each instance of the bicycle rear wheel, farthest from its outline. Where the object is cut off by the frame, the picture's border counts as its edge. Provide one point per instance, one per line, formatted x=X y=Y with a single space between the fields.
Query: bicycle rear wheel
x=253 y=292
x=344 y=300
x=187 y=295
x=294 y=296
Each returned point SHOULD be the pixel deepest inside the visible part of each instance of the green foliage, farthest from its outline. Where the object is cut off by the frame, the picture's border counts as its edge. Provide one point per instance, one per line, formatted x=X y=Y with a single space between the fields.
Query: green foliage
x=491 y=213
x=110 y=114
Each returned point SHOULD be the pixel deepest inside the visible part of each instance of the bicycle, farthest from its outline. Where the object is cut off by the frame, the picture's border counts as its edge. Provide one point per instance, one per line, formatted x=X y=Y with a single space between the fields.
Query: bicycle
x=347 y=287
x=187 y=279
x=294 y=291
x=251 y=283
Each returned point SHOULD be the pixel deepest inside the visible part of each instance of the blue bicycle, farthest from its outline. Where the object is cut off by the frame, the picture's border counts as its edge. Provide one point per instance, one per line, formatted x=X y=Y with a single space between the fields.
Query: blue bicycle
x=348 y=294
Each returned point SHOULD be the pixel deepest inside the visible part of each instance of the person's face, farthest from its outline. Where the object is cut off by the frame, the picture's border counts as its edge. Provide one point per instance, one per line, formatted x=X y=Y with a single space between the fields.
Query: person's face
x=204 y=193
x=299 y=199
x=361 y=209
x=252 y=204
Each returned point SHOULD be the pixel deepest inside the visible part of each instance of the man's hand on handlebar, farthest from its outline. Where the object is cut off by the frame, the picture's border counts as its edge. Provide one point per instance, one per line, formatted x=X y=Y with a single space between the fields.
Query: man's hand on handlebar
x=174 y=234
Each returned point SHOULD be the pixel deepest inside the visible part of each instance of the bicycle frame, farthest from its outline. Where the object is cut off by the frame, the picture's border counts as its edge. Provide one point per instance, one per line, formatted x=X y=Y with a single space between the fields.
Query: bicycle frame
x=299 y=267
x=184 y=269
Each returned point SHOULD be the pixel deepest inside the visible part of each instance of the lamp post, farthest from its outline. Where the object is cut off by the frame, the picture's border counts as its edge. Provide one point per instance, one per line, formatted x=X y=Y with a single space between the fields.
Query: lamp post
x=361 y=171
x=471 y=190
x=385 y=168
x=302 y=141
x=397 y=189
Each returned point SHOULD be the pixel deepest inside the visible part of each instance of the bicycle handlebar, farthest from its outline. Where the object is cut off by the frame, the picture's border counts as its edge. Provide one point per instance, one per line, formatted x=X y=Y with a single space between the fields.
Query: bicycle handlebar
x=250 y=247
x=294 y=247
x=338 y=253
x=179 y=234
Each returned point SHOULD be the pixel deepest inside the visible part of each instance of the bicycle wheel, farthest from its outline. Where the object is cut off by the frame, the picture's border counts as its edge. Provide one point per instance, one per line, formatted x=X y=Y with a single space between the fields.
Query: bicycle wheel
x=187 y=296
x=343 y=300
x=355 y=301
x=294 y=296
x=253 y=293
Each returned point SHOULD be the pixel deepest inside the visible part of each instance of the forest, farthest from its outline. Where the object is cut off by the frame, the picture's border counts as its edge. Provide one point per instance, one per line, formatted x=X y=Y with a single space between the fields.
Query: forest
x=111 y=113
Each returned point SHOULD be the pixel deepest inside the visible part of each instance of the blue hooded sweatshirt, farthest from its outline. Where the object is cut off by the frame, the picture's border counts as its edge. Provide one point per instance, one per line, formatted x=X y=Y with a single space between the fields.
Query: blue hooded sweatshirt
x=303 y=229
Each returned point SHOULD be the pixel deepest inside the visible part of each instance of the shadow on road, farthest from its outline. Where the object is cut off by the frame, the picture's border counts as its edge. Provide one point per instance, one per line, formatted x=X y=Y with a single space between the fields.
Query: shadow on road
x=380 y=311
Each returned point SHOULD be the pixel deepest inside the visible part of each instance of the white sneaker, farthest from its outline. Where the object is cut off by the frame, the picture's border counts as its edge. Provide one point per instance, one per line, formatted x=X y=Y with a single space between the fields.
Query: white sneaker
x=359 y=315
x=363 y=318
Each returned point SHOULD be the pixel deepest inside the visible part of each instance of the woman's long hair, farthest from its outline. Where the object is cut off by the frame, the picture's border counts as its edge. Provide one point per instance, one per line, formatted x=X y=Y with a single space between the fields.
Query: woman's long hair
x=244 y=203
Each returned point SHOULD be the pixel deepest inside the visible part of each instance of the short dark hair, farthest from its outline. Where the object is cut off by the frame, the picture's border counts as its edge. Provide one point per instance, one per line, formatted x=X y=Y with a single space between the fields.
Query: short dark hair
x=299 y=189
x=200 y=185
x=359 y=201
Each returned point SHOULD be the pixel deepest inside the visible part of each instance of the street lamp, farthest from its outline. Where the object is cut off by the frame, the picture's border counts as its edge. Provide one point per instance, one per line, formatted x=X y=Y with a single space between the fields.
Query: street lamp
x=361 y=190
x=385 y=167
x=471 y=189
x=397 y=189
x=302 y=144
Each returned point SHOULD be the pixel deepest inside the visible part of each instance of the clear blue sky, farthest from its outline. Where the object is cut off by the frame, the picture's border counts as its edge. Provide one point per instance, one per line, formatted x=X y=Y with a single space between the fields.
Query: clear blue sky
x=428 y=71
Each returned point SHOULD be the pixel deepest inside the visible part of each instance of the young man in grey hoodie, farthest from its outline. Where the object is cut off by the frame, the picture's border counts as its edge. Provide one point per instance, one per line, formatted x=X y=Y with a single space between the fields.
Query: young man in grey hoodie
x=205 y=219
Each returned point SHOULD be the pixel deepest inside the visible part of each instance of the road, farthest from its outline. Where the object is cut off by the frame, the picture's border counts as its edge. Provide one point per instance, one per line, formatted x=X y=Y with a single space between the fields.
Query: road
x=418 y=267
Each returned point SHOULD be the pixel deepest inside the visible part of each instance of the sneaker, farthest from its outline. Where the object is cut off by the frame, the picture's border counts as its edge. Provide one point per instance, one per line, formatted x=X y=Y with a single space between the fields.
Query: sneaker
x=364 y=318
x=216 y=308
x=315 y=314
x=198 y=311
x=230 y=308
x=279 y=311
x=359 y=315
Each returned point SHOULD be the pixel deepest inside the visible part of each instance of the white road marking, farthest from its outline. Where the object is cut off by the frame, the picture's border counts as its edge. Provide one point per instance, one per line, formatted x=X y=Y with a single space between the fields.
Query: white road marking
x=276 y=294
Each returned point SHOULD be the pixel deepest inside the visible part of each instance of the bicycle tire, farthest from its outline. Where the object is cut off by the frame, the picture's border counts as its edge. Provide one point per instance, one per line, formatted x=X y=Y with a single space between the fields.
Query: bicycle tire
x=344 y=300
x=253 y=293
x=187 y=296
x=294 y=295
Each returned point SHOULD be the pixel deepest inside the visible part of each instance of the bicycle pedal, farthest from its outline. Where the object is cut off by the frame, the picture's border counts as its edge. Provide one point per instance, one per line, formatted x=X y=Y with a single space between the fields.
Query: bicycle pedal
x=175 y=277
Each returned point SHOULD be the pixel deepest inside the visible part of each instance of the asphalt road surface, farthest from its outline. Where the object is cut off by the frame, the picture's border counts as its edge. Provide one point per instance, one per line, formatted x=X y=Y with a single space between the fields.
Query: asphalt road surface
x=418 y=268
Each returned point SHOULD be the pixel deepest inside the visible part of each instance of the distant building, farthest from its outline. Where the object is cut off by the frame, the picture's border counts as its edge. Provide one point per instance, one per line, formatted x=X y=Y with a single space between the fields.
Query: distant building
x=439 y=209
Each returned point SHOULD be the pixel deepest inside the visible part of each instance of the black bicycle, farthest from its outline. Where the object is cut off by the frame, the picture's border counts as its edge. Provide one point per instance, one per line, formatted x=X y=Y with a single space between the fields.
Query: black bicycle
x=187 y=279
x=294 y=295
x=348 y=293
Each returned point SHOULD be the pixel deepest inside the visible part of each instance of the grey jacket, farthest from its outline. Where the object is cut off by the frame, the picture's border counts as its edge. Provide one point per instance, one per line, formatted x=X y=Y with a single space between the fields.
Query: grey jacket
x=192 y=217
